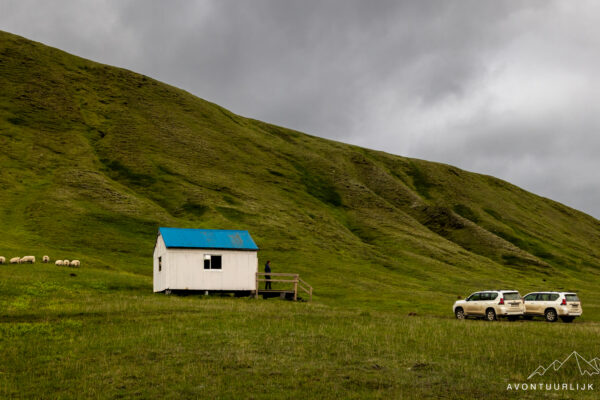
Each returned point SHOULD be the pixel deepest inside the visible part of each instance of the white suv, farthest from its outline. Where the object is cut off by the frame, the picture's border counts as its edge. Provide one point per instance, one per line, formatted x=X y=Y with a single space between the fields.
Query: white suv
x=490 y=304
x=552 y=305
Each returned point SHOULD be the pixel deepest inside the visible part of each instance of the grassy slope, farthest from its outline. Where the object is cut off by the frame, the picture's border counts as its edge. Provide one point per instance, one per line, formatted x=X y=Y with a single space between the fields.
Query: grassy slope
x=94 y=158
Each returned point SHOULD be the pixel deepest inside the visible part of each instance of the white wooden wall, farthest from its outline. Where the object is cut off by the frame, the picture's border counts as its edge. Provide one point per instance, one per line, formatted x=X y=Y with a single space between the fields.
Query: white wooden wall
x=160 y=278
x=183 y=269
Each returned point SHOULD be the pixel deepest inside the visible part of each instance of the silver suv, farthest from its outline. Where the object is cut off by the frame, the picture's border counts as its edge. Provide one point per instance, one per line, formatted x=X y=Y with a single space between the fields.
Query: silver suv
x=552 y=305
x=490 y=304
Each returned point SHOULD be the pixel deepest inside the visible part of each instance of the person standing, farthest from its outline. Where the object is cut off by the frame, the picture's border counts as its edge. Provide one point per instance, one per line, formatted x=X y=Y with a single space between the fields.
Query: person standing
x=268 y=277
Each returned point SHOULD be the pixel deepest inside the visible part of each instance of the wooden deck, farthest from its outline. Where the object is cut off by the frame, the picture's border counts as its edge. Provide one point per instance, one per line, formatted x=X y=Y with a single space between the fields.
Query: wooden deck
x=288 y=285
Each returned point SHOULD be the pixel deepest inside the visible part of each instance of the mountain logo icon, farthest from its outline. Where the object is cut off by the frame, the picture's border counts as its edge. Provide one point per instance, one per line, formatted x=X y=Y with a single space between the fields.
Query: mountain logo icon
x=585 y=367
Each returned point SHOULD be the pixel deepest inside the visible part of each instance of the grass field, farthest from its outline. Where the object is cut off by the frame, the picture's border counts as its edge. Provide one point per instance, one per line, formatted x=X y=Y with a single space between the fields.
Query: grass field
x=68 y=336
x=93 y=159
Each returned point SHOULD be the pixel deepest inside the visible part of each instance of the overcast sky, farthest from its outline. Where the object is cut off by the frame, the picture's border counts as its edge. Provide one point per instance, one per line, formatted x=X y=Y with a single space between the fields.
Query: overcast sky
x=503 y=88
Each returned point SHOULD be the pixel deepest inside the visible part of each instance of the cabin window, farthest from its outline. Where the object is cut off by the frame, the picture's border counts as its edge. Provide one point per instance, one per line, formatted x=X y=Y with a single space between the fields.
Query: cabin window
x=212 y=261
x=159 y=264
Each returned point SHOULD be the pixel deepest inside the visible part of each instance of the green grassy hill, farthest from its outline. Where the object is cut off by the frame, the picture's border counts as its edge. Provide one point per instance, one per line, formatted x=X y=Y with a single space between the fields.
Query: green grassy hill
x=93 y=159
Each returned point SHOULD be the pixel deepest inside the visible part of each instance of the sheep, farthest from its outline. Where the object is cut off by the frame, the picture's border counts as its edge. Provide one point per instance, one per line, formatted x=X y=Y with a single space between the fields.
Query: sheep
x=75 y=263
x=15 y=260
x=58 y=262
x=2 y=260
x=66 y=263
x=28 y=260
x=45 y=259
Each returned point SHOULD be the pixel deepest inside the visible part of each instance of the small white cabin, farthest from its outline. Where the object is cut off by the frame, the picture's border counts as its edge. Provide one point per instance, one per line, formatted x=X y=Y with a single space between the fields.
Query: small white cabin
x=204 y=259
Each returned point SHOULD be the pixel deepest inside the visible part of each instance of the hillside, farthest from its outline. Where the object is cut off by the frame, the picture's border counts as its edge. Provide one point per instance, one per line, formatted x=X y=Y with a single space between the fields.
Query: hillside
x=94 y=158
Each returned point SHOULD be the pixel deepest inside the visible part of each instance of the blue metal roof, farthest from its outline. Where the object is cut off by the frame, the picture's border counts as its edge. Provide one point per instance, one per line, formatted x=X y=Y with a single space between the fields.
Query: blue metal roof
x=207 y=239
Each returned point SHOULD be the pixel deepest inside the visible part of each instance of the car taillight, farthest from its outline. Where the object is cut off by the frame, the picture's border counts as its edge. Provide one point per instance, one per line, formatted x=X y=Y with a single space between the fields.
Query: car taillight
x=564 y=302
x=501 y=300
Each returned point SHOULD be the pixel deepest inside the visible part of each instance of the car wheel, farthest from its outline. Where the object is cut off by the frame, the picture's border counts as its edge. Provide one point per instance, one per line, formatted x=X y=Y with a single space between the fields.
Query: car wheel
x=567 y=319
x=460 y=313
x=490 y=314
x=550 y=315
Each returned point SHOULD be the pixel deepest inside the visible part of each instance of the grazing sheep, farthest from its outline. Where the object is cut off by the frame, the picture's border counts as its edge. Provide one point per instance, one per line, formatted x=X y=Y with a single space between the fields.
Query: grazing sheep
x=28 y=260
x=66 y=263
x=58 y=262
x=75 y=263
x=15 y=260
x=45 y=259
x=2 y=260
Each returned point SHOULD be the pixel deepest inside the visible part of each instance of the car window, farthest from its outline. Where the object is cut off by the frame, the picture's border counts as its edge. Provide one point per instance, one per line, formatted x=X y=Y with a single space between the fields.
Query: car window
x=530 y=297
x=543 y=297
x=512 y=296
x=554 y=296
x=493 y=296
x=474 y=297
x=571 y=297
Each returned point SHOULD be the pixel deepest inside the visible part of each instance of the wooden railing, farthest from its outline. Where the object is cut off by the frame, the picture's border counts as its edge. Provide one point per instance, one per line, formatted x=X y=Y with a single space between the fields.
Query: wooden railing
x=286 y=278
